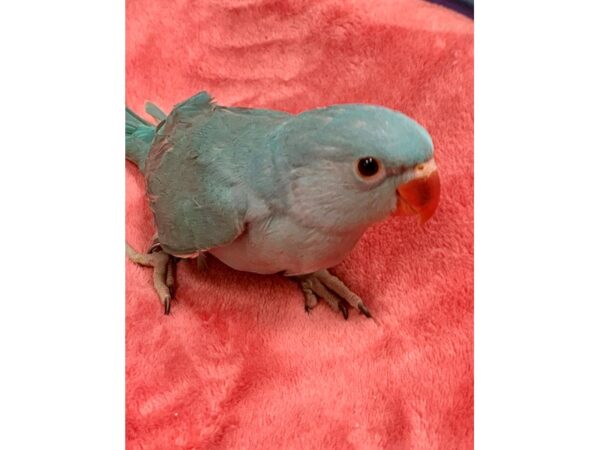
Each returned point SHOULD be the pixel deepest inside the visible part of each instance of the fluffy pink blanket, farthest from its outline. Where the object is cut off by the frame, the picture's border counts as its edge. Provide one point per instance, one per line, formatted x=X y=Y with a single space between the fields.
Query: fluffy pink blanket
x=238 y=363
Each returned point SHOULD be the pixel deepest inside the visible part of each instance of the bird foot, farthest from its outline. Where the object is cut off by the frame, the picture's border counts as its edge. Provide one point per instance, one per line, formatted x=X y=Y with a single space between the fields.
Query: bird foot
x=330 y=288
x=164 y=268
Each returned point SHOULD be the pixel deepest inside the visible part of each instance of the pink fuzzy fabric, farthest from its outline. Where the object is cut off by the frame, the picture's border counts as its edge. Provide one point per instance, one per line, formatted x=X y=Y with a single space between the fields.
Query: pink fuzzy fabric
x=238 y=363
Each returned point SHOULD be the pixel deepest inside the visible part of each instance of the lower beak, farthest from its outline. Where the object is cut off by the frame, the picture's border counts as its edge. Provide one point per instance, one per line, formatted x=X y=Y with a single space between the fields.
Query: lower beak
x=421 y=195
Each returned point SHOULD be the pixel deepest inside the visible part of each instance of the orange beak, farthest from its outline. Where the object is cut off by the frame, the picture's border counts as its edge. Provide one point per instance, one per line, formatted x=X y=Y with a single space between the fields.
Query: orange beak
x=421 y=195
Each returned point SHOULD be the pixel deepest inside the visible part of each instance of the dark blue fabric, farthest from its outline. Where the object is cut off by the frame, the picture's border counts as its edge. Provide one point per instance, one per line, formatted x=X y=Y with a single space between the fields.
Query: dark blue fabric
x=465 y=7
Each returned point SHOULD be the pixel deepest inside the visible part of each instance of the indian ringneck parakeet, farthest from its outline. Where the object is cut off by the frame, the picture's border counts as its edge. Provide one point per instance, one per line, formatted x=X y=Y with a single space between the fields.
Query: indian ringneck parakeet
x=270 y=192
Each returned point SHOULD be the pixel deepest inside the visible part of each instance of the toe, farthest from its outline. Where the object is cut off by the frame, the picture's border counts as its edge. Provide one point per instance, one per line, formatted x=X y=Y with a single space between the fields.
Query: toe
x=170 y=279
x=310 y=299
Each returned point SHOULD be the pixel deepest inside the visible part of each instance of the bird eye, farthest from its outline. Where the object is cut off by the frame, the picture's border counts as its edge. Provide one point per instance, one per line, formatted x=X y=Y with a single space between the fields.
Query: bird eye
x=367 y=167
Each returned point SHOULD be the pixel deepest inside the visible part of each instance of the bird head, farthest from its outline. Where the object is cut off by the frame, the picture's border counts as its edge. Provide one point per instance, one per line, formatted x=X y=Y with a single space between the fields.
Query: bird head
x=352 y=165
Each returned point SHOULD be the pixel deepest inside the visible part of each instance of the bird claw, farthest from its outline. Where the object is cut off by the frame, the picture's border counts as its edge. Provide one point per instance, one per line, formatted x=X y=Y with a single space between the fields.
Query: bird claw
x=364 y=310
x=167 y=306
x=342 y=305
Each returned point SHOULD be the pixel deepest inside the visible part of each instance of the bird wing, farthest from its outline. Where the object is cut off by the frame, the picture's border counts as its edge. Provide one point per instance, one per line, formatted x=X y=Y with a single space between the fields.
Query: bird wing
x=197 y=173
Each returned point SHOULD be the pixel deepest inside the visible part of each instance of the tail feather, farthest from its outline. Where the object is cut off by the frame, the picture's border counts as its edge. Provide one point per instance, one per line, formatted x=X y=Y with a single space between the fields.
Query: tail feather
x=155 y=111
x=138 y=138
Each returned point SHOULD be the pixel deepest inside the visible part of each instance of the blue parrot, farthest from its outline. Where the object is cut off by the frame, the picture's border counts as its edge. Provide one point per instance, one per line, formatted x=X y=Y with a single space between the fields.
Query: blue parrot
x=270 y=192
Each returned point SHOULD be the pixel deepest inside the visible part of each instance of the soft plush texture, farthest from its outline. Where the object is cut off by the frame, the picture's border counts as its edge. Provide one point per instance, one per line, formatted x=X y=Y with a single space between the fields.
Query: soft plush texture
x=238 y=363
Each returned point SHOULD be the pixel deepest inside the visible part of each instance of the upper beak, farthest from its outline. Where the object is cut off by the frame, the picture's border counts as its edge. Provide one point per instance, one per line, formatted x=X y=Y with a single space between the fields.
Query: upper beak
x=420 y=195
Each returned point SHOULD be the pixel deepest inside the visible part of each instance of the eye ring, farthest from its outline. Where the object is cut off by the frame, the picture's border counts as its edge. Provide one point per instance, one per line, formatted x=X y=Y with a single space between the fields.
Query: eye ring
x=368 y=167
